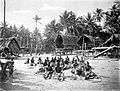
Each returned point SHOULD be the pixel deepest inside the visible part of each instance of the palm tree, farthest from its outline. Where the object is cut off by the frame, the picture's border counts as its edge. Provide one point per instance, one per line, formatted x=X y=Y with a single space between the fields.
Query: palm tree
x=15 y=30
x=98 y=15
x=117 y=3
x=36 y=18
x=113 y=39
x=22 y=35
x=89 y=28
x=81 y=27
x=67 y=20
x=112 y=24
x=52 y=29
x=90 y=24
x=37 y=40
x=5 y=30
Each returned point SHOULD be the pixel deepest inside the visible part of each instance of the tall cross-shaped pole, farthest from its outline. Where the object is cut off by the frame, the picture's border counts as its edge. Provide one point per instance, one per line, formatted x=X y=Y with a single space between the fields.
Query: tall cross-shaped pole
x=36 y=18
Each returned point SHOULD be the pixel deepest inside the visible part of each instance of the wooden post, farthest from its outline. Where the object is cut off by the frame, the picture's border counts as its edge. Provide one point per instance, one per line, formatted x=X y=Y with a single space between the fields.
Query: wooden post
x=83 y=46
x=118 y=50
x=4 y=23
x=36 y=49
x=27 y=40
x=85 y=50
x=31 y=45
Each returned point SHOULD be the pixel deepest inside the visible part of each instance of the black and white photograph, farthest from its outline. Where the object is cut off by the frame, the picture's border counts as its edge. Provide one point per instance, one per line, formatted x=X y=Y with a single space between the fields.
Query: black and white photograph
x=59 y=45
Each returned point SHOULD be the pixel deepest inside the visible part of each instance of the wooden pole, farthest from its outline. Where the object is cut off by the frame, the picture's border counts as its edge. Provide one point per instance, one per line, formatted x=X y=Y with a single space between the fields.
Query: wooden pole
x=4 y=23
x=27 y=40
x=31 y=45
x=85 y=51
x=36 y=49
x=83 y=46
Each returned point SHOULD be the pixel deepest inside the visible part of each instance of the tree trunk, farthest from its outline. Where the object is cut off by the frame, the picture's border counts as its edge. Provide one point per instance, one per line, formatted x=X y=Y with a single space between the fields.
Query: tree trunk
x=36 y=49
x=31 y=46
x=27 y=41
x=83 y=46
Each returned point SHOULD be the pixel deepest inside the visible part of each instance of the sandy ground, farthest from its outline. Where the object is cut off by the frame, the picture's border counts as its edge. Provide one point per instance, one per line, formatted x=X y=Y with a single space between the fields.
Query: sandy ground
x=25 y=78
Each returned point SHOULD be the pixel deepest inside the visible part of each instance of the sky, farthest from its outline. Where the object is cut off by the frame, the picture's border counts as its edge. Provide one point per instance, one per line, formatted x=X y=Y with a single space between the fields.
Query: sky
x=20 y=12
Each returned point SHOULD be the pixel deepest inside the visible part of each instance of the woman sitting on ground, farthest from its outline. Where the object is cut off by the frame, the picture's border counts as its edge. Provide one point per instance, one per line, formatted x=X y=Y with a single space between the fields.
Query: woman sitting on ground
x=32 y=60
x=58 y=69
x=75 y=64
x=45 y=63
x=27 y=62
x=49 y=70
x=39 y=61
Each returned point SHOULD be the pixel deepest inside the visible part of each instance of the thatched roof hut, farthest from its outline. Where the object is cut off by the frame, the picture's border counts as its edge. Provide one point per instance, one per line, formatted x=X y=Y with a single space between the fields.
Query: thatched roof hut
x=85 y=39
x=11 y=45
x=66 y=41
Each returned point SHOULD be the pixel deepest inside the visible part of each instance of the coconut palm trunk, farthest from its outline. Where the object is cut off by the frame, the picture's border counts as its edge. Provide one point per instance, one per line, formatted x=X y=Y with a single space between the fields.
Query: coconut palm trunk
x=31 y=45
x=27 y=40
x=36 y=49
x=4 y=22
x=83 y=46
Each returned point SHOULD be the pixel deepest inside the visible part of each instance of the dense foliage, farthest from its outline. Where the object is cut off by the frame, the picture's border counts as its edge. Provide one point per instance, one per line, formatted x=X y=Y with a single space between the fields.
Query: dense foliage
x=103 y=27
x=25 y=38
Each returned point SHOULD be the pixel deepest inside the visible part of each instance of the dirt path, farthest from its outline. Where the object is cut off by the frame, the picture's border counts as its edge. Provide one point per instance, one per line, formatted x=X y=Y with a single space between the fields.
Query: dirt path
x=26 y=79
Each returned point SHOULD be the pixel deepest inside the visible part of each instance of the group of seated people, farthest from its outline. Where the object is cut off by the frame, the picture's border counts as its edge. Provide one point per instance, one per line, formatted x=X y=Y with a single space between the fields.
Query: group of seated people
x=30 y=61
x=78 y=67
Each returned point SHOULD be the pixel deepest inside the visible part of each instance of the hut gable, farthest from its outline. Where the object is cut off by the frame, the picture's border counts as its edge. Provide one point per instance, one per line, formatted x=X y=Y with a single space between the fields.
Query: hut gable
x=66 y=41
x=11 y=44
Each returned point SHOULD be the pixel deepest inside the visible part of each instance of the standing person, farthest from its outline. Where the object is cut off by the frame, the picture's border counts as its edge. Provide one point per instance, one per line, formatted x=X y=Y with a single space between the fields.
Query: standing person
x=78 y=59
x=11 y=67
x=67 y=61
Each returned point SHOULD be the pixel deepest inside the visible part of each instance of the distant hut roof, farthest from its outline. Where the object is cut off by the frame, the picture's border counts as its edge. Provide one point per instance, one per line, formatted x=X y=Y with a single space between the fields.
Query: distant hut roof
x=87 y=39
x=66 y=41
x=8 y=41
